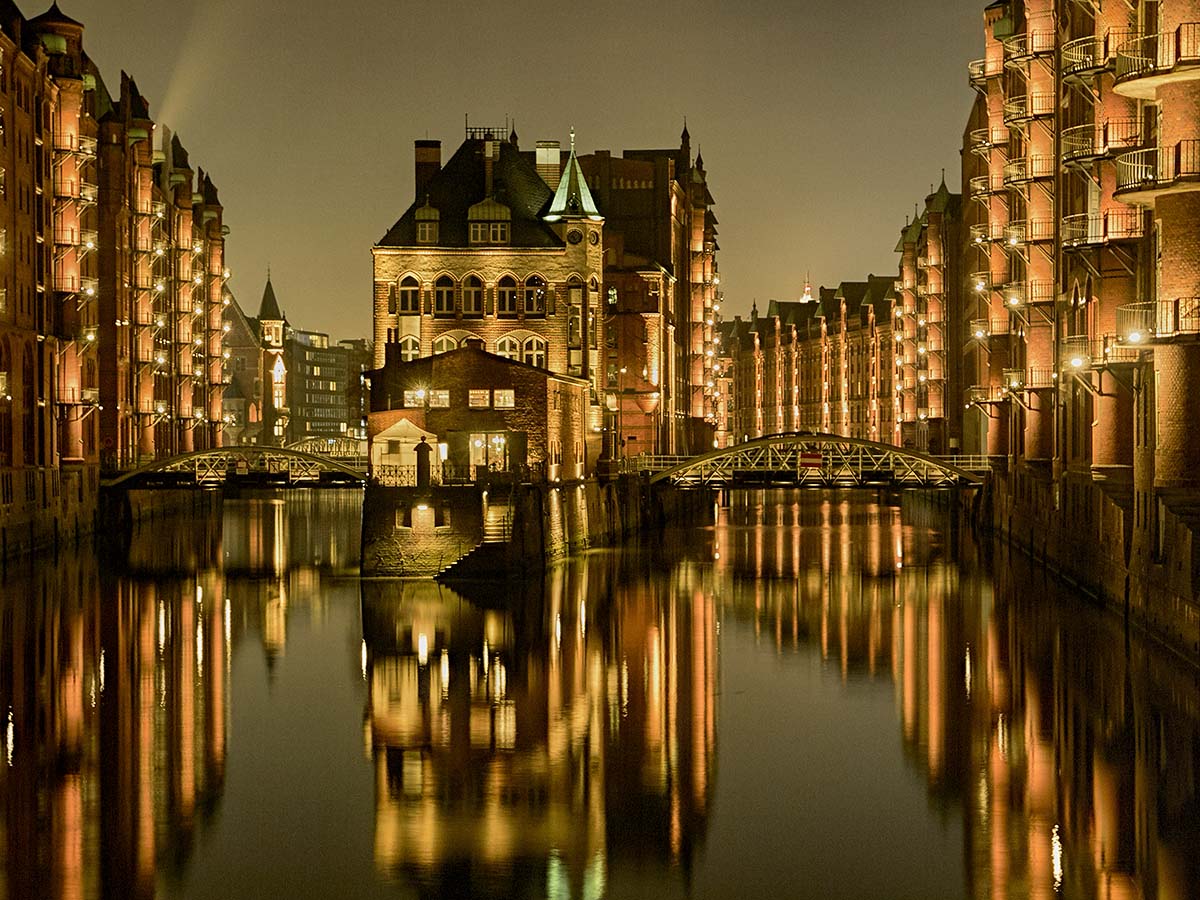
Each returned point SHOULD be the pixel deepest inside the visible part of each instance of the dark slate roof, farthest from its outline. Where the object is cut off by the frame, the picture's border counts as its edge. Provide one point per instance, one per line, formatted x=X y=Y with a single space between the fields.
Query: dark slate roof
x=880 y=295
x=461 y=184
x=179 y=156
x=268 y=310
x=793 y=312
x=55 y=16
x=139 y=108
x=210 y=191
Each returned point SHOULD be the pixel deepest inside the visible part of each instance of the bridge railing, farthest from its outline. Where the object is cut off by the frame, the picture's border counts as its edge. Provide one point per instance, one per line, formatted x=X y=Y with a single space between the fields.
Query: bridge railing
x=974 y=463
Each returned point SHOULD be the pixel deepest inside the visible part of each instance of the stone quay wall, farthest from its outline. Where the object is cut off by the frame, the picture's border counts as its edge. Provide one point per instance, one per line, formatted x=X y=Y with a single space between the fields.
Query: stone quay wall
x=1089 y=534
x=46 y=509
x=547 y=522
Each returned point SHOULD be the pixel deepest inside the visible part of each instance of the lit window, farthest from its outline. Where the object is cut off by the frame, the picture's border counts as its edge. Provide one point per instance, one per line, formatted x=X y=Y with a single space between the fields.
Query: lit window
x=439 y=399
x=410 y=295
x=410 y=349
x=479 y=398
x=509 y=347
x=506 y=297
x=535 y=296
x=427 y=232
x=472 y=297
x=504 y=399
x=443 y=296
x=535 y=352
x=414 y=398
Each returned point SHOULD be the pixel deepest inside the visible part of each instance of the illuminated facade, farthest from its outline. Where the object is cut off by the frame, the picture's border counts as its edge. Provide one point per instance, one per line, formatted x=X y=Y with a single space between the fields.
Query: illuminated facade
x=820 y=364
x=111 y=271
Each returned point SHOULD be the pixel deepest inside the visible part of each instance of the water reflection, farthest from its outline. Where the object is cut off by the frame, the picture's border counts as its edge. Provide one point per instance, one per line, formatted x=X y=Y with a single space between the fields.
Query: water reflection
x=518 y=749
x=226 y=714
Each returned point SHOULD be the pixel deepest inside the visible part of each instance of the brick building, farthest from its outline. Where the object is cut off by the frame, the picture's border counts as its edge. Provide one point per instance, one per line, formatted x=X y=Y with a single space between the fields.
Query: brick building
x=111 y=275
x=489 y=412
x=821 y=364
x=597 y=267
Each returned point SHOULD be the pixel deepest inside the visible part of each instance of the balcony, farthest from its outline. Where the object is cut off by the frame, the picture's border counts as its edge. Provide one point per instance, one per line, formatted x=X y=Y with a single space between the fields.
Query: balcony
x=1146 y=62
x=1029 y=379
x=981 y=281
x=984 y=140
x=983 y=394
x=1021 y=48
x=74 y=284
x=1146 y=174
x=74 y=237
x=1094 y=229
x=983 y=329
x=1020 y=110
x=1031 y=168
x=1084 y=57
x=987 y=231
x=1076 y=353
x=986 y=185
x=1017 y=234
x=76 y=396
x=980 y=70
x=1019 y=294
x=1084 y=144
x=1156 y=320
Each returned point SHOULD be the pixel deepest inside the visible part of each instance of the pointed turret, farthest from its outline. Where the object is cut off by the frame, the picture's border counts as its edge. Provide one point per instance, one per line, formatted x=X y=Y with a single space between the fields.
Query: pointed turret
x=268 y=310
x=573 y=199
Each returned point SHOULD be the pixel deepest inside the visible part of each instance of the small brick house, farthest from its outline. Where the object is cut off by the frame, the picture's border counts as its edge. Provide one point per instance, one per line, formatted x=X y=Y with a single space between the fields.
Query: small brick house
x=489 y=412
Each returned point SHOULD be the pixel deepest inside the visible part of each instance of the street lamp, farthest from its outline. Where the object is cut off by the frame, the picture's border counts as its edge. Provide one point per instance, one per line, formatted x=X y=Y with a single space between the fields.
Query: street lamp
x=621 y=411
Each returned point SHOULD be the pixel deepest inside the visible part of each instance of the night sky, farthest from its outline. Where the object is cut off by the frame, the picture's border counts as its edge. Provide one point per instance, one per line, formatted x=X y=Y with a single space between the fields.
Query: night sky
x=821 y=122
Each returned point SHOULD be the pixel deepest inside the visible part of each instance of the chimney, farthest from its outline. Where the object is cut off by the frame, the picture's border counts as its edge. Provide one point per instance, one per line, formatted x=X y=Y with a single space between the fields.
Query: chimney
x=429 y=162
x=549 y=162
x=490 y=151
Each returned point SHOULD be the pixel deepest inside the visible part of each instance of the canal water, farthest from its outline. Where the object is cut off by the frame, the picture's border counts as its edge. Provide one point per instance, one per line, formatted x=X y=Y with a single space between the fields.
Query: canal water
x=821 y=695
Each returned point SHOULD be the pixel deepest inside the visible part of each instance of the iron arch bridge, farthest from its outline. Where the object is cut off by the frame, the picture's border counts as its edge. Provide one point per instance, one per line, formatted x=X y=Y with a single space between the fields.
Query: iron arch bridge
x=265 y=466
x=817 y=460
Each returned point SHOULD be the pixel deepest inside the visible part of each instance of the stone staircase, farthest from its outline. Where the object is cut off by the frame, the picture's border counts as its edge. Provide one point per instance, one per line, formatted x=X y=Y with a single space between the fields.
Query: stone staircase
x=488 y=558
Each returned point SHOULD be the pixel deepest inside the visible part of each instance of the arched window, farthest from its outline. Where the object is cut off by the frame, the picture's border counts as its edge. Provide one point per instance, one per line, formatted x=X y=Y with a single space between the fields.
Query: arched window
x=535 y=295
x=443 y=296
x=472 y=296
x=510 y=347
x=444 y=344
x=506 y=297
x=410 y=296
x=535 y=352
x=410 y=348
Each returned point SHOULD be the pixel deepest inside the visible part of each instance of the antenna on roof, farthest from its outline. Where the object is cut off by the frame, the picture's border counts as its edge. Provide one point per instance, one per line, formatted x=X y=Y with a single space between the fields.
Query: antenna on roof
x=572 y=138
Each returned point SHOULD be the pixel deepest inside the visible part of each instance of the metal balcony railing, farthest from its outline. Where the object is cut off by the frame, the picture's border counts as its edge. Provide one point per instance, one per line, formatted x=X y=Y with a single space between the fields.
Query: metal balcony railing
x=1093 y=229
x=1019 y=294
x=1032 y=106
x=1020 y=48
x=1028 y=231
x=980 y=70
x=986 y=393
x=980 y=281
x=986 y=185
x=1158 y=168
x=1077 y=352
x=1086 y=143
x=1149 y=320
x=1084 y=56
x=1143 y=56
x=78 y=396
x=984 y=140
x=74 y=237
x=1030 y=168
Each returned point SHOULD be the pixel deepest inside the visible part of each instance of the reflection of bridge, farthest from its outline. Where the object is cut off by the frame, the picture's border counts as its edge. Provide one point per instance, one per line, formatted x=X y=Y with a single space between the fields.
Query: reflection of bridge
x=819 y=460
x=254 y=466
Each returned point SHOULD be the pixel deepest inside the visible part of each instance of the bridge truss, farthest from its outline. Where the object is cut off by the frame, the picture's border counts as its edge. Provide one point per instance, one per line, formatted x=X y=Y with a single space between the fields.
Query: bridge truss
x=817 y=460
x=274 y=466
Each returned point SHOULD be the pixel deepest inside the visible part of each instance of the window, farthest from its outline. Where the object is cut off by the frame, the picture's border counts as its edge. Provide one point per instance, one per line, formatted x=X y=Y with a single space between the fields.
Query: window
x=410 y=295
x=410 y=348
x=439 y=399
x=504 y=399
x=472 y=297
x=427 y=232
x=479 y=398
x=535 y=352
x=509 y=347
x=443 y=296
x=535 y=295
x=444 y=344
x=414 y=398
x=506 y=297
x=498 y=233
x=479 y=232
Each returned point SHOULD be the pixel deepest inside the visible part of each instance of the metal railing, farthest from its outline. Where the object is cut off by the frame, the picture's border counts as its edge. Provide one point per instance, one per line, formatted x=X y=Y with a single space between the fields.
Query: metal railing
x=1158 y=167
x=1018 y=294
x=1031 y=106
x=986 y=393
x=1090 y=229
x=1140 y=322
x=1141 y=56
x=1077 y=352
x=1084 y=55
x=980 y=70
x=1028 y=231
x=1018 y=171
x=1020 y=48
x=987 y=231
x=980 y=281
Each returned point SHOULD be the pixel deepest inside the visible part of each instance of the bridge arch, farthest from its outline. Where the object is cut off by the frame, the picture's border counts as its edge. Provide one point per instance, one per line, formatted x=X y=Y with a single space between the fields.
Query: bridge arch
x=824 y=460
x=213 y=467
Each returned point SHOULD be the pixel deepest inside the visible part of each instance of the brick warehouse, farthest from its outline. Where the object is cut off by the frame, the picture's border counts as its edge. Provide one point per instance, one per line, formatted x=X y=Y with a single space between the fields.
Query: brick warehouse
x=111 y=275
x=599 y=268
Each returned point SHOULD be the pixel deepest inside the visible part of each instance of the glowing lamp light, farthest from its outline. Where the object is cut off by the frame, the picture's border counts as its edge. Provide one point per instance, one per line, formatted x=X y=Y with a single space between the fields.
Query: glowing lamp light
x=160 y=287
x=1012 y=241
x=1076 y=362
x=198 y=279
x=158 y=251
x=1135 y=337
x=979 y=286
x=91 y=245
x=979 y=334
x=1014 y=300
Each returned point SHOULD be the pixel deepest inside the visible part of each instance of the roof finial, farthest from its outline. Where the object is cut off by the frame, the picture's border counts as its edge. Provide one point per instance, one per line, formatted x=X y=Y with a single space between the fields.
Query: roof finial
x=572 y=138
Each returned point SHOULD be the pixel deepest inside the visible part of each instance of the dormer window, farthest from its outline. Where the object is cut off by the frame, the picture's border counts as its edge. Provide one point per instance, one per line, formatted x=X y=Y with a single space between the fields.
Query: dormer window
x=489 y=223
x=427 y=224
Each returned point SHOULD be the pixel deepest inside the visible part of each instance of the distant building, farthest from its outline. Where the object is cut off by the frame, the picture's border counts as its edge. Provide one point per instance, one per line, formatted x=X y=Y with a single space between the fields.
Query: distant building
x=317 y=387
